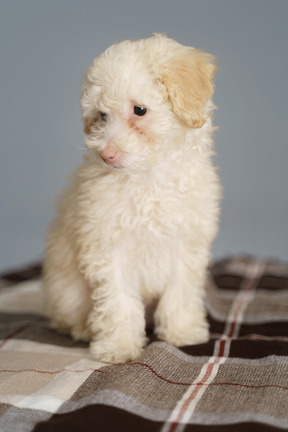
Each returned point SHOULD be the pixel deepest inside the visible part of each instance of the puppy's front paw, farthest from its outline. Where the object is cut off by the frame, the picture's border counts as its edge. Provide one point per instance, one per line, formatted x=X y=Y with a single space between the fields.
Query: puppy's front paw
x=111 y=352
x=181 y=334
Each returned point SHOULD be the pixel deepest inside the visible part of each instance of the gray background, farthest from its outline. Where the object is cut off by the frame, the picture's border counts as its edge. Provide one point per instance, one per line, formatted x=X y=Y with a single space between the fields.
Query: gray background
x=45 y=48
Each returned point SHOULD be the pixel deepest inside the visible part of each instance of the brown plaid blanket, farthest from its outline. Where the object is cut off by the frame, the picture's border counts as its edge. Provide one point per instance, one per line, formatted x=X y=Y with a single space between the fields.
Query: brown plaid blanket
x=238 y=381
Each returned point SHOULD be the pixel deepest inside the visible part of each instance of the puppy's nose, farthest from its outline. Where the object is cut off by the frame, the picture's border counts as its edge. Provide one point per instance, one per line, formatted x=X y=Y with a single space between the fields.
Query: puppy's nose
x=108 y=155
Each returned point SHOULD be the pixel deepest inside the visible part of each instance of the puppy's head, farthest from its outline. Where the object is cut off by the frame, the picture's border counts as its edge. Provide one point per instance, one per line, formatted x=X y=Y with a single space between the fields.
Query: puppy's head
x=140 y=98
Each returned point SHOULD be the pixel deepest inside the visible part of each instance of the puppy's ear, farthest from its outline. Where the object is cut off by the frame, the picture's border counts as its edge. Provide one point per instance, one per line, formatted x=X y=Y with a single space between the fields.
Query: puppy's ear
x=188 y=78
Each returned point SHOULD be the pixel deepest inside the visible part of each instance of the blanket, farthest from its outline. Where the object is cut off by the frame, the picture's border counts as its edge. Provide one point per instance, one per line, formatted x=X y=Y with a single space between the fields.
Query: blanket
x=238 y=381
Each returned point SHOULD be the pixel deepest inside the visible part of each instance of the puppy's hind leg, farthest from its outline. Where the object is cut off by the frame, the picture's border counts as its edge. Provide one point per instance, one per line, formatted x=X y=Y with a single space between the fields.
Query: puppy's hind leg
x=67 y=301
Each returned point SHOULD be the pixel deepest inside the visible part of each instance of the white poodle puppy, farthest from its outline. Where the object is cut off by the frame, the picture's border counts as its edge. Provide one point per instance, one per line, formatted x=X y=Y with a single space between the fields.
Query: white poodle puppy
x=136 y=223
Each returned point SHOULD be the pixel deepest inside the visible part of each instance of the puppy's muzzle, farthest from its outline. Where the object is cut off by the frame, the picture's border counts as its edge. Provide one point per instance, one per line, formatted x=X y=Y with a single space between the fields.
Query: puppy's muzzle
x=112 y=156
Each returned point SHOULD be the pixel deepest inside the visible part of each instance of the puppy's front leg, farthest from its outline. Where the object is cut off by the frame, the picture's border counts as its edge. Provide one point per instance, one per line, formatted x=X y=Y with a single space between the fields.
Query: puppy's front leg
x=117 y=318
x=180 y=317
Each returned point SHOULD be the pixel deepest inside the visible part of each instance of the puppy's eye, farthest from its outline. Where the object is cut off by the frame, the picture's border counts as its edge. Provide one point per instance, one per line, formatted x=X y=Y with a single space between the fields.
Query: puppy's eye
x=103 y=116
x=139 y=111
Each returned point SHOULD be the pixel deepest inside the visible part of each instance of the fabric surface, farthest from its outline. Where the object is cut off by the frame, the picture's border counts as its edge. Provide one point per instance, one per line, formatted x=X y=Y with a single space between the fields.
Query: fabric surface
x=238 y=381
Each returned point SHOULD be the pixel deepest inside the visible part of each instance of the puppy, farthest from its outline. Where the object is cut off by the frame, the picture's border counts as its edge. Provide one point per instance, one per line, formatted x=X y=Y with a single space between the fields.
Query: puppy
x=136 y=223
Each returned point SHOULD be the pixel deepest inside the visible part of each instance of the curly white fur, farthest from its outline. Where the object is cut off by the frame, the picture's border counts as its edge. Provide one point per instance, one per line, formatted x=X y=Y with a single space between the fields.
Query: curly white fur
x=136 y=223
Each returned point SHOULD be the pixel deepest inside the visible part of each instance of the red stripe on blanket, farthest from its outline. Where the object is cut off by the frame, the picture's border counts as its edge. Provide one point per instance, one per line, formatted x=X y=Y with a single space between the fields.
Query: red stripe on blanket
x=254 y=272
x=53 y=372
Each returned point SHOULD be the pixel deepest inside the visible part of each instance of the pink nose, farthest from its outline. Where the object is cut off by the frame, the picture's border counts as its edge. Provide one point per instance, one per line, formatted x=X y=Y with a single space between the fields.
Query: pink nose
x=108 y=155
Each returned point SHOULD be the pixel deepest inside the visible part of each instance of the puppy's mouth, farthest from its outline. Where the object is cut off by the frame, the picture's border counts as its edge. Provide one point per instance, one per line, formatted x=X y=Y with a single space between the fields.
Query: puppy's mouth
x=117 y=166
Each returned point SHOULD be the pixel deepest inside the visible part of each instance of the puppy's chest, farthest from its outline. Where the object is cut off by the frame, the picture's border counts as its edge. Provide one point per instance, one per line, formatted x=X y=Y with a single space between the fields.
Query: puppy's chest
x=148 y=208
x=139 y=208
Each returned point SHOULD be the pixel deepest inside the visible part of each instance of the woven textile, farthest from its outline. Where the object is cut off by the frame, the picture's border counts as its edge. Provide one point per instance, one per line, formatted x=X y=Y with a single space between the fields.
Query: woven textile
x=238 y=381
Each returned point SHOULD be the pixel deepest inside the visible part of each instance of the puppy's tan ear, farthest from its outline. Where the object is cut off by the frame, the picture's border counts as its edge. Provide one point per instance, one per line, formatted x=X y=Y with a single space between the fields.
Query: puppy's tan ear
x=188 y=78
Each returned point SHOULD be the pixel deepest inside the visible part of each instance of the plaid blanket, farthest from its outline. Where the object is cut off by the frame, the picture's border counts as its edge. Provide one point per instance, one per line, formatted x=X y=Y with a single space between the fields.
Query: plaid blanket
x=238 y=381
